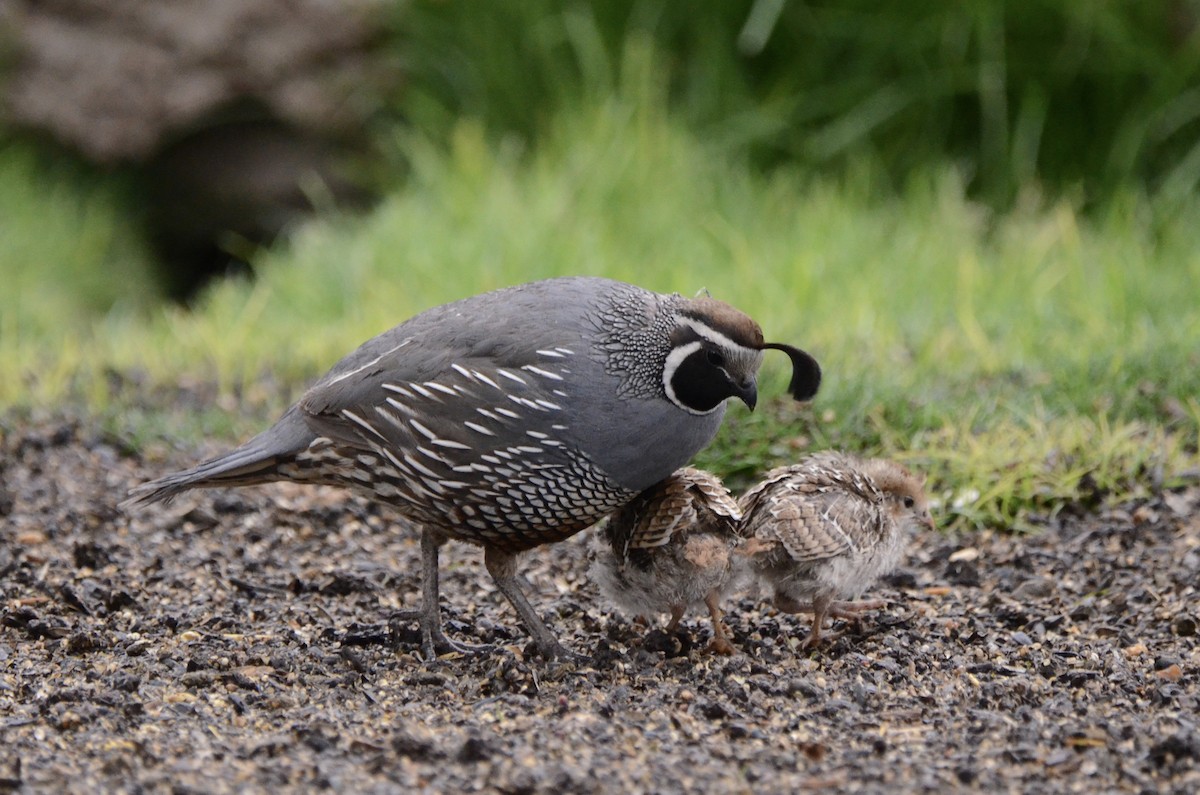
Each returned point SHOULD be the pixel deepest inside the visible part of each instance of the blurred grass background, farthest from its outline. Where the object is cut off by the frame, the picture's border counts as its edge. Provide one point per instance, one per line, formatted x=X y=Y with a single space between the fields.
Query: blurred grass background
x=981 y=218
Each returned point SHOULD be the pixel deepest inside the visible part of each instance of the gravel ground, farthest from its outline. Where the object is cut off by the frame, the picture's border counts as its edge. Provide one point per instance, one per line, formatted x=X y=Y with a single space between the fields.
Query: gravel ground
x=239 y=641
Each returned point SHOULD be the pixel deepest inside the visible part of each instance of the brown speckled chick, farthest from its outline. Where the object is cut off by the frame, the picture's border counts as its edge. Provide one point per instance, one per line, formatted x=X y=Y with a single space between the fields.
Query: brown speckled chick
x=827 y=528
x=671 y=549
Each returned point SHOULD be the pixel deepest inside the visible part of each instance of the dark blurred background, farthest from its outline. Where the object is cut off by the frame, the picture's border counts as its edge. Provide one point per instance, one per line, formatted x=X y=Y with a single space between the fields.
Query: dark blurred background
x=222 y=121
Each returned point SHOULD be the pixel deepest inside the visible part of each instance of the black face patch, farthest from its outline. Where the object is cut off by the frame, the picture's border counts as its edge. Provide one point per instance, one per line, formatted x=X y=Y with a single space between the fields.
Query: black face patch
x=698 y=383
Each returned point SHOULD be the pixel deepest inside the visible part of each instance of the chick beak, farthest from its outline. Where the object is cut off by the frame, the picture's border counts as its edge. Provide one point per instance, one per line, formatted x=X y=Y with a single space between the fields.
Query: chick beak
x=927 y=522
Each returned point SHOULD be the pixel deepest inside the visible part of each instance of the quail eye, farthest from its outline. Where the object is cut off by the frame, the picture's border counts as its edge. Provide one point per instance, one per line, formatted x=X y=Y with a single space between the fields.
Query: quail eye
x=716 y=359
x=908 y=502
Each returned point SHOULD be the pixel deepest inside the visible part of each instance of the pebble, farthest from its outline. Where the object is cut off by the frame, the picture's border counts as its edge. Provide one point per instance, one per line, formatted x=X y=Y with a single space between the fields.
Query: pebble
x=995 y=663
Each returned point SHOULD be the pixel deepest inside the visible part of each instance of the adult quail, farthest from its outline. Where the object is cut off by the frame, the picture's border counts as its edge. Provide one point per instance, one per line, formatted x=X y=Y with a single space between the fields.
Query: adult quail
x=512 y=419
x=826 y=528
x=671 y=548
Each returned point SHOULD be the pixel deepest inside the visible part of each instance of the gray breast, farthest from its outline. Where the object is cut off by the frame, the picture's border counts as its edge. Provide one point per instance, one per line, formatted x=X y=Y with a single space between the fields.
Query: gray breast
x=626 y=424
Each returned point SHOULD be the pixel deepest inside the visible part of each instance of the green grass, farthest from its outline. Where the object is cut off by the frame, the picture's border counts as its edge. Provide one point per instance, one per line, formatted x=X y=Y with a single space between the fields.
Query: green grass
x=1080 y=97
x=67 y=257
x=1027 y=362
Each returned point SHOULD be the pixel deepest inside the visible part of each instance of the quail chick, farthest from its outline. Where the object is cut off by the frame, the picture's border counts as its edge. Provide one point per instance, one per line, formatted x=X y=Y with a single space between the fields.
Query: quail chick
x=827 y=528
x=512 y=419
x=671 y=548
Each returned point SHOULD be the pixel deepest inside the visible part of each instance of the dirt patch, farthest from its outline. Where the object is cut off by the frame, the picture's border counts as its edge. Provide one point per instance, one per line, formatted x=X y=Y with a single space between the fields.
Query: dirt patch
x=240 y=640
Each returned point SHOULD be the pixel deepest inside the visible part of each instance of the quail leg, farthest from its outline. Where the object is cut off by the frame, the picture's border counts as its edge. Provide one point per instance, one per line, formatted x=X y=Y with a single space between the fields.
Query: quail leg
x=823 y=607
x=720 y=642
x=854 y=610
x=848 y=610
x=433 y=638
x=503 y=568
x=819 y=607
x=676 y=617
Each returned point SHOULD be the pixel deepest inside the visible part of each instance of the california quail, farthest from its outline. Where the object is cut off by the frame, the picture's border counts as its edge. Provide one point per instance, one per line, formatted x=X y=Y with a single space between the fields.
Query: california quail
x=828 y=527
x=671 y=549
x=513 y=418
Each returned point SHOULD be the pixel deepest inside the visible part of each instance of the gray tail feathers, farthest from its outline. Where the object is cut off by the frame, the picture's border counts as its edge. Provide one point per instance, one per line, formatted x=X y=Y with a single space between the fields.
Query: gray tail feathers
x=253 y=462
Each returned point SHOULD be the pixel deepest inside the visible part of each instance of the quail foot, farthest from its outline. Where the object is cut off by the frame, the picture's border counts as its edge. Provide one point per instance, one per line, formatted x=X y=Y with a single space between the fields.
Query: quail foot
x=512 y=419
x=671 y=549
x=825 y=529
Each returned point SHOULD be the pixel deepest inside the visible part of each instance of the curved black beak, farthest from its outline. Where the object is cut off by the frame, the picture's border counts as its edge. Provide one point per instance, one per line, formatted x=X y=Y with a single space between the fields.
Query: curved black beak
x=806 y=373
x=748 y=392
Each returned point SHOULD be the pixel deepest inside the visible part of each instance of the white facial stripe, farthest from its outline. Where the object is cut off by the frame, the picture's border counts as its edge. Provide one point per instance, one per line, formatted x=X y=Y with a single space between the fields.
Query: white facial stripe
x=712 y=335
x=674 y=359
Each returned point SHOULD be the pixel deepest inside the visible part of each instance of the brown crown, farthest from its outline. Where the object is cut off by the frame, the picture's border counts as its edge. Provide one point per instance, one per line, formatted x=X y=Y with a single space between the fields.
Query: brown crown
x=722 y=317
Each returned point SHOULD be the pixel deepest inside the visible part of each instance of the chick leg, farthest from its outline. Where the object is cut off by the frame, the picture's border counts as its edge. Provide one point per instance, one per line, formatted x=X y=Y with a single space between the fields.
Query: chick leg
x=720 y=642
x=676 y=617
x=854 y=610
x=847 y=610
x=820 y=608
x=823 y=607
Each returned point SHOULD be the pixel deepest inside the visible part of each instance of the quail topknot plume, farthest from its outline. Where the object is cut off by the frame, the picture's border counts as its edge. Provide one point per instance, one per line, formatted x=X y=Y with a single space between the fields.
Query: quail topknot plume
x=671 y=548
x=825 y=529
x=512 y=419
